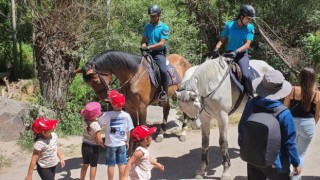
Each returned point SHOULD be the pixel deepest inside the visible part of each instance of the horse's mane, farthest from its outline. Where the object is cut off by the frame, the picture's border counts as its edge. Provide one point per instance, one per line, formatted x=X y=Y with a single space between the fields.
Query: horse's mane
x=112 y=60
x=208 y=75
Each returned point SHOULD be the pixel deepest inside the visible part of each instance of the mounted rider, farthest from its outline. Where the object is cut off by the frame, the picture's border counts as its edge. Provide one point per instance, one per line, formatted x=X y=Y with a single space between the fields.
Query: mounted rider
x=155 y=35
x=240 y=34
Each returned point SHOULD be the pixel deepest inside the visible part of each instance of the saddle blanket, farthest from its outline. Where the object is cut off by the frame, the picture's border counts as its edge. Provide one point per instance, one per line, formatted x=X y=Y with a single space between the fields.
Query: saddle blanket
x=172 y=76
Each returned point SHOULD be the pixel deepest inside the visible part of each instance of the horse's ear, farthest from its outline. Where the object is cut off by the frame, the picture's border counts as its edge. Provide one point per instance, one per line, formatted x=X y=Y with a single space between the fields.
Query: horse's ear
x=193 y=95
x=178 y=94
x=78 y=70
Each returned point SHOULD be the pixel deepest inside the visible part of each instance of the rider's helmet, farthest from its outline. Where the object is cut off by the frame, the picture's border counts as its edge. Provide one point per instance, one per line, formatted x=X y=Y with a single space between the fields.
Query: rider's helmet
x=248 y=10
x=154 y=9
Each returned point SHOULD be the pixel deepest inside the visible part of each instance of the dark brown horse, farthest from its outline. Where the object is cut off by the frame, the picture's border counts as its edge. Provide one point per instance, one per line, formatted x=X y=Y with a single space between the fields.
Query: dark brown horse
x=135 y=82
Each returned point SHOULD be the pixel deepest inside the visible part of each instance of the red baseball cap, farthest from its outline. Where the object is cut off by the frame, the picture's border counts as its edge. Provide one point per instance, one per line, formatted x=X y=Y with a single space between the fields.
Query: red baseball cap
x=141 y=132
x=43 y=124
x=117 y=99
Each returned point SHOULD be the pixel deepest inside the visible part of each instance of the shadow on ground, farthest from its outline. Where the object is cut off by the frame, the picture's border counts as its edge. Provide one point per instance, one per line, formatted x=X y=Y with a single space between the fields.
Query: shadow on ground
x=184 y=167
x=76 y=164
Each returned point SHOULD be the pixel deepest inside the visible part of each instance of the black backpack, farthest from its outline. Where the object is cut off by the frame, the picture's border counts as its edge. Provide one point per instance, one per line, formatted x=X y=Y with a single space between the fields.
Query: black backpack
x=261 y=140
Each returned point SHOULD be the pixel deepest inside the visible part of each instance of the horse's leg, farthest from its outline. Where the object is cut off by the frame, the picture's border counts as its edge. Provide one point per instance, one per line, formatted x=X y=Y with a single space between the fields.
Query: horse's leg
x=183 y=136
x=222 y=119
x=163 y=128
x=205 y=129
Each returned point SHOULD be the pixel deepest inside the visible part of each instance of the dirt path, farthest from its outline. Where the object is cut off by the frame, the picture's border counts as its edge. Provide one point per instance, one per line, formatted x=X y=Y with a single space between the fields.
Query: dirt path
x=181 y=159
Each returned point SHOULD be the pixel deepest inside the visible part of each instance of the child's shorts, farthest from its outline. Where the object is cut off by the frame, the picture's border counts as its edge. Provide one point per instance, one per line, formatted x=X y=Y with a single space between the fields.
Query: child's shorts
x=116 y=155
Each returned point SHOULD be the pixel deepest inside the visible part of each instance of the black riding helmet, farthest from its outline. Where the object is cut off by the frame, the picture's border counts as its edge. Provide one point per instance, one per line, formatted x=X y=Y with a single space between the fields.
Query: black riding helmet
x=154 y=9
x=248 y=10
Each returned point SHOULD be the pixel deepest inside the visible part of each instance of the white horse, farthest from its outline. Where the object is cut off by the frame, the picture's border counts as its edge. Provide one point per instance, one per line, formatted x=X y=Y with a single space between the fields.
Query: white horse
x=209 y=92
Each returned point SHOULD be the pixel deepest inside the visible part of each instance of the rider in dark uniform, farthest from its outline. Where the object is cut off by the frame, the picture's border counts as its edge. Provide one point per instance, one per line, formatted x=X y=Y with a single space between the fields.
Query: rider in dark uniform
x=240 y=33
x=154 y=38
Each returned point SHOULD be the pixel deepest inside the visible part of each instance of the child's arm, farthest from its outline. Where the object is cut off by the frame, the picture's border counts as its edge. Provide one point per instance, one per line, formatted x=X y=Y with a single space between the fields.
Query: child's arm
x=60 y=157
x=128 y=139
x=156 y=164
x=137 y=155
x=34 y=159
x=99 y=139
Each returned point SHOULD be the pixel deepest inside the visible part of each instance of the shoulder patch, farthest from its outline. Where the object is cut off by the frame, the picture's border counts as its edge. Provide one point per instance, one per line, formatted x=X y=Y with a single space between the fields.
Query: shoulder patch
x=165 y=32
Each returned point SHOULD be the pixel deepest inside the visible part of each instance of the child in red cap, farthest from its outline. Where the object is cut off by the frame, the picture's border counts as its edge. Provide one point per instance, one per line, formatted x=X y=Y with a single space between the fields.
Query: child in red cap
x=91 y=139
x=140 y=163
x=46 y=152
x=118 y=126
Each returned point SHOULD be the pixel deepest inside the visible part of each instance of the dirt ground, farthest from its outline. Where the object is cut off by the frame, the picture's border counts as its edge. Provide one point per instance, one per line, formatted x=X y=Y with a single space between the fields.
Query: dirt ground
x=181 y=159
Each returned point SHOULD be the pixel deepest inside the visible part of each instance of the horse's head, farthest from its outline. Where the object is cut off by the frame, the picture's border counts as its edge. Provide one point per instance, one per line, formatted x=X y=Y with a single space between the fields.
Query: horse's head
x=189 y=103
x=99 y=81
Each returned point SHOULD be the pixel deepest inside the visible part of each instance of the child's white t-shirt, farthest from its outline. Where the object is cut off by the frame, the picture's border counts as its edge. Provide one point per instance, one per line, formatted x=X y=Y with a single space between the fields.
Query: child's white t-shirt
x=117 y=123
x=90 y=136
x=141 y=169
x=48 y=148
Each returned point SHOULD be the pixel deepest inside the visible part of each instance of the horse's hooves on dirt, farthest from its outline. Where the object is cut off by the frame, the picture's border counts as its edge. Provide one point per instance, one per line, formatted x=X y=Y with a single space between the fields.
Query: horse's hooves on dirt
x=226 y=177
x=198 y=176
x=159 y=138
x=183 y=138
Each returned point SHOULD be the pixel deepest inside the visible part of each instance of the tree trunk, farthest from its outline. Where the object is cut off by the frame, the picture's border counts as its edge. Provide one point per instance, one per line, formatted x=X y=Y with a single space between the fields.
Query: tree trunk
x=108 y=22
x=55 y=69
x=14 y=39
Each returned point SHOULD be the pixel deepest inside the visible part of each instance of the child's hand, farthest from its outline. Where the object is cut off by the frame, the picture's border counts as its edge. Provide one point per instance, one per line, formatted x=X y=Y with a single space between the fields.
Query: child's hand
x=28 y=178
x=62 y=163
x=159 y=166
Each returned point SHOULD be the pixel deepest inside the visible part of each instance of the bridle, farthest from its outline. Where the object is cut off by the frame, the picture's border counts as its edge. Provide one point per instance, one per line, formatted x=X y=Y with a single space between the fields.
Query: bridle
x=212 y=93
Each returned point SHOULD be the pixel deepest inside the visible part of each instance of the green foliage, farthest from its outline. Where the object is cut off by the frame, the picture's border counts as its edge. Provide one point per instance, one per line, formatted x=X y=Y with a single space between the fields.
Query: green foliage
x=26 y=140
x=313 y=47
x=79 y=94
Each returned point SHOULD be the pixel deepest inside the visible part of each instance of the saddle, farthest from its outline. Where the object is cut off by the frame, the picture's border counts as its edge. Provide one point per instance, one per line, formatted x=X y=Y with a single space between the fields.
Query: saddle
x=154 y=73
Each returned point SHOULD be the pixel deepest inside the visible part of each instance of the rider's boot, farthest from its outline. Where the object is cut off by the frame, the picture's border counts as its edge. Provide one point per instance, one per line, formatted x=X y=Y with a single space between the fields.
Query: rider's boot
x=248 y=88
x=163 y=96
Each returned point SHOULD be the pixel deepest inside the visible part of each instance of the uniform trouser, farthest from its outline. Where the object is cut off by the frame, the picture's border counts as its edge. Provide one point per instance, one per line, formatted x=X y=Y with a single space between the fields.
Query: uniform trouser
x=159 y=58
x=243 y=60
x=256 y=173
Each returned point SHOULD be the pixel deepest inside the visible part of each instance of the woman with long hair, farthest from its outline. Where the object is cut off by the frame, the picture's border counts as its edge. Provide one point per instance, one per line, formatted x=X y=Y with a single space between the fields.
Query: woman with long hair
x=304 y=103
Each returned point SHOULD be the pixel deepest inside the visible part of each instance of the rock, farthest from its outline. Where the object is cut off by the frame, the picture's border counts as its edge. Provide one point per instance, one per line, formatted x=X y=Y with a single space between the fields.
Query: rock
x=13 y=114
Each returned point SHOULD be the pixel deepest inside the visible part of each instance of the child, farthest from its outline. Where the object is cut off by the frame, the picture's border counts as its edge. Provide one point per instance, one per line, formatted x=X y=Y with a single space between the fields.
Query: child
x=140 y=164
x=118 y=126
x=45 y=149
x=91 y=139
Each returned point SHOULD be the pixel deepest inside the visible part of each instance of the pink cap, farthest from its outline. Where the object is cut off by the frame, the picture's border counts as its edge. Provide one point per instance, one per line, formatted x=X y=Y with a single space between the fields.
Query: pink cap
x=91 y=111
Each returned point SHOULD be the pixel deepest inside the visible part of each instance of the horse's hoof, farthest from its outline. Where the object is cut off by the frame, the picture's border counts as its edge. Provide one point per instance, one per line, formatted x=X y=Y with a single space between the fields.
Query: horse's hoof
x=226 y=178
x=198 y=176
x=159 y=138
x=183 y=138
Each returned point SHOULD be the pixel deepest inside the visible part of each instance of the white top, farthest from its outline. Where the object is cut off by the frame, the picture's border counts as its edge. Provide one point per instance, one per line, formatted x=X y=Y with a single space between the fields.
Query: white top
x=48 y=151
x=117 y=123
x=141 y=169
x=89 y=137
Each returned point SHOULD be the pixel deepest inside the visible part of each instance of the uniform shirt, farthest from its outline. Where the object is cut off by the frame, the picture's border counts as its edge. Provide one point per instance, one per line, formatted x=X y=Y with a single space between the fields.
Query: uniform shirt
x=141 y=170
x=237 y=36
x=48 y=151
x=117 y=123
x=89 y=137
x=155 y=33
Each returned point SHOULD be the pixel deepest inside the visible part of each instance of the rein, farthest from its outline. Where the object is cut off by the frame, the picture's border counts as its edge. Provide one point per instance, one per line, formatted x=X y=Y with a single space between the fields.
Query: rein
x=203 y=105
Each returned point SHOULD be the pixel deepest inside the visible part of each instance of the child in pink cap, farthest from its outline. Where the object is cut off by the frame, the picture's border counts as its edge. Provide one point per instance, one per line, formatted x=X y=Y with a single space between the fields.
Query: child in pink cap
x=140 y=163
x=46 y=152
x=118 y=126
x=91 y=139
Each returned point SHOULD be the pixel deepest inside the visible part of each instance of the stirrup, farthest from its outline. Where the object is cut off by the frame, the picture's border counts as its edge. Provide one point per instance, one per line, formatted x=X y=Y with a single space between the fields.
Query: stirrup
x=163 y=96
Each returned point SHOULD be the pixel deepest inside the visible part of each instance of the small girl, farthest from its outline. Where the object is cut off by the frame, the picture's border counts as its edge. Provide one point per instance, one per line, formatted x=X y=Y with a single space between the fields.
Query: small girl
x=91 y=139
x=46 y=152
x=140 y=163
